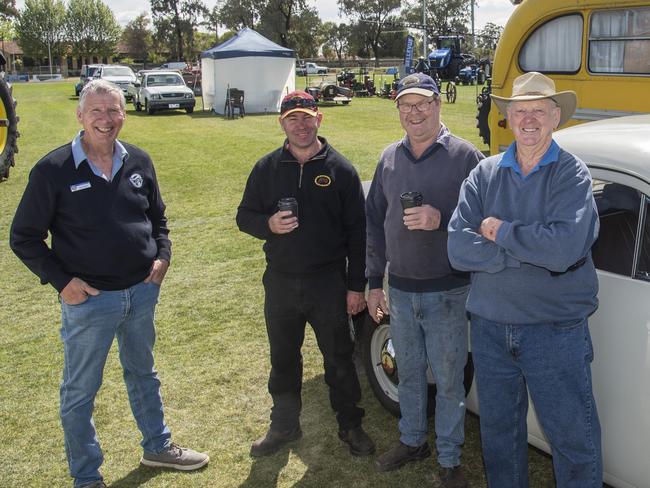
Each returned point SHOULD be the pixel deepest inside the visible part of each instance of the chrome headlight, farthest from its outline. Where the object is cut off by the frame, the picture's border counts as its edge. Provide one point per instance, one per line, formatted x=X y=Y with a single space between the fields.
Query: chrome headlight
x=155 y=96
x=188 y=95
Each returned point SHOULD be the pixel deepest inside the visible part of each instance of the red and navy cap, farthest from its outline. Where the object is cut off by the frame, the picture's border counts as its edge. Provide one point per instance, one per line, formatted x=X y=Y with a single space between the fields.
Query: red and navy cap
x=298 y=101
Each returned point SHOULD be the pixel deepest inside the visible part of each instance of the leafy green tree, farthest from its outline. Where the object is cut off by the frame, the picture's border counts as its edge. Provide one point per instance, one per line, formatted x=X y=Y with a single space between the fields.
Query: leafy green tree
x=237 y=14
x=337 y=38
x=91 y=29
x=183 y=17
x=487 y=38
x=137 y=37
x=444 y=17
x=40 y=25
x=305 y=37
x=212 y=21
x=369 y=16
x=8 y=9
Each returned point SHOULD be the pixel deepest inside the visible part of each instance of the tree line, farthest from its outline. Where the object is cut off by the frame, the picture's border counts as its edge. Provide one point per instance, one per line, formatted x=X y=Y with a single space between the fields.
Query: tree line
x=179 y=29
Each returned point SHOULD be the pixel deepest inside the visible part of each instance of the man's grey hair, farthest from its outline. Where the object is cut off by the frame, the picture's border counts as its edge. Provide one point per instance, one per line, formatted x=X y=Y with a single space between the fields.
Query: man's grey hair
x=100 y=87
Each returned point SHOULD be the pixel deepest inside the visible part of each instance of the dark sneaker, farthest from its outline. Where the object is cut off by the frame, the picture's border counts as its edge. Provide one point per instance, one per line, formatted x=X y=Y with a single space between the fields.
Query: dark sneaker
x=452 y=477
x=359 y=442
x=400 y=455
x=175 y=457
x=273 y=440
x=95 y=484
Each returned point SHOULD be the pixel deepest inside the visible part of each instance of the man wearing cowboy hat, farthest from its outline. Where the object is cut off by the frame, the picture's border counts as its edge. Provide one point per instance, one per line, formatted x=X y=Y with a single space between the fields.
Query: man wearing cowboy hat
x=524 y=226
x=427 y=297
x=315 y=255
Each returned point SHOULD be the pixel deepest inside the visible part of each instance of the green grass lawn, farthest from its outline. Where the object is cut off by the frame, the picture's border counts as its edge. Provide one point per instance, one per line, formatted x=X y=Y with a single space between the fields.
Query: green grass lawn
x=212 y=352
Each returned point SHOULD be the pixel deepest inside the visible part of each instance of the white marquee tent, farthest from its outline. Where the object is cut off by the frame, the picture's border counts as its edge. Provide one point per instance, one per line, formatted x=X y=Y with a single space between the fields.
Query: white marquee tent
x=250 y=62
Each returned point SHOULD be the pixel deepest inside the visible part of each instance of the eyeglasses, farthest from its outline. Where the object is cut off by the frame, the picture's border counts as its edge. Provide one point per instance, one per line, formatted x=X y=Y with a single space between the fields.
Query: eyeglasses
x=407 y=108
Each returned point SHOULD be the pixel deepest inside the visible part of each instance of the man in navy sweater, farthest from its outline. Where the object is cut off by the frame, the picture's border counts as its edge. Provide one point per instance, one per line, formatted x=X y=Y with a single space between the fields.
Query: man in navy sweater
x=524 y=226
x=315 y=270
x=99 y=200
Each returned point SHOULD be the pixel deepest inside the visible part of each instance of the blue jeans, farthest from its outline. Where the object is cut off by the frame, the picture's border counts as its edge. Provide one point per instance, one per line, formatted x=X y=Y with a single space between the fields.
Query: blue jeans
x=87 y=333
x=430 y=329
x=551 y=362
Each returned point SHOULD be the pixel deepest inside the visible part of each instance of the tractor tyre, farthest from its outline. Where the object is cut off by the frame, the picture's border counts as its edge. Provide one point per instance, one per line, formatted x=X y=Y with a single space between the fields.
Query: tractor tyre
x=483 y=103
x=8 y=129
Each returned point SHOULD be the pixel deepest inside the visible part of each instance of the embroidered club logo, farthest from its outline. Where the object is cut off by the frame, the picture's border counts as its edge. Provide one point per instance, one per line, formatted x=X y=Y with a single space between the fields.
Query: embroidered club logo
x=136 y=180
x=323 y=180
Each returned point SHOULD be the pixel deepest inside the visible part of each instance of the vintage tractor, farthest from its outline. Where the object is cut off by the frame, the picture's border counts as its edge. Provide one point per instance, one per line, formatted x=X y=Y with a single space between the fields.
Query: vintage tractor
x=450 y=91
x=330 y=92
x=8 y=124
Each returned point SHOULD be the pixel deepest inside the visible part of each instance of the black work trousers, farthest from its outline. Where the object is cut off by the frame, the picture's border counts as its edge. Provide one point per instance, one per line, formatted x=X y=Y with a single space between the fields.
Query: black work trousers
x=320 y=299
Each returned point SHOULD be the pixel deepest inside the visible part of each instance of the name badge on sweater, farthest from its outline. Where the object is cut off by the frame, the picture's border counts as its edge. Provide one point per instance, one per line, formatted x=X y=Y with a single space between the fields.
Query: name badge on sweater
x=80 y=186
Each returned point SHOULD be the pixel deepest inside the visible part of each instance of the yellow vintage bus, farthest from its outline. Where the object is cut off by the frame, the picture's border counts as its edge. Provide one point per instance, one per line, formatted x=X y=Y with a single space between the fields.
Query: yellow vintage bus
x=598 y=48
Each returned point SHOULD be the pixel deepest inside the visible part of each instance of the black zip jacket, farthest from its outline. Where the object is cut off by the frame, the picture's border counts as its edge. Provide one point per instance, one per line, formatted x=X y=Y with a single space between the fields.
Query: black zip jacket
x=106 y=233
x=331 y=213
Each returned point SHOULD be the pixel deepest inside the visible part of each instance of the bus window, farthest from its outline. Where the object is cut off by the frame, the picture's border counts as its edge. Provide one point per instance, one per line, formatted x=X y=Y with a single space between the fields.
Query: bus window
x=619 y=41
x=554 y=47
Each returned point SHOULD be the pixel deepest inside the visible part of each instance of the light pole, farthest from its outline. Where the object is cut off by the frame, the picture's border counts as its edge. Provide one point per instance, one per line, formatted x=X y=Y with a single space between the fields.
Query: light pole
x=473 y=33
x=49 y=55
x=425 y=54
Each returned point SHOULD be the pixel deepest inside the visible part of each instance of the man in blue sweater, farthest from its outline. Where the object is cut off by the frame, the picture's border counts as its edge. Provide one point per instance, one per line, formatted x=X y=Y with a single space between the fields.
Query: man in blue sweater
x=524 y=226
x=427 y=297
x=99 y=200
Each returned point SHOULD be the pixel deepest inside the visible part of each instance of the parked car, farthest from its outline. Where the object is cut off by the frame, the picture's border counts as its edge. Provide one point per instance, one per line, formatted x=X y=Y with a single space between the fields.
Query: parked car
x=161 y=90
x=179 y=65
x=87 y=72
x=310 y=69
x=122 y=76
x=617 y=152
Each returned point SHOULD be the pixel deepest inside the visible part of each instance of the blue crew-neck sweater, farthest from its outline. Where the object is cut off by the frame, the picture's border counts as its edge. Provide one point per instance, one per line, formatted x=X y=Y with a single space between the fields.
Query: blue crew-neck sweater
x=550 y=223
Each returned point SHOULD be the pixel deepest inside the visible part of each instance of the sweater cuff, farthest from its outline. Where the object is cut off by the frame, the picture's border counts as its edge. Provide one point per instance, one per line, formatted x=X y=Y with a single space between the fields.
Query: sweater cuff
x=504 y=230
x=375 y=282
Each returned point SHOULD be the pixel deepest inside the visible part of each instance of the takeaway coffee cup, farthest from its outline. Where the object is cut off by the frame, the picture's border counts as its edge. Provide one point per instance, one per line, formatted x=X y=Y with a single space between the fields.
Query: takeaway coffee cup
x=289 y=203
x=411 y=199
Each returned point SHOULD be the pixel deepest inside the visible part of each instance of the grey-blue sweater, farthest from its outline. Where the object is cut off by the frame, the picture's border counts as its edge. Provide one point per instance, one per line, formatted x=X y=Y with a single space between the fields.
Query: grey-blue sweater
x=417 y=260
x=550 y=223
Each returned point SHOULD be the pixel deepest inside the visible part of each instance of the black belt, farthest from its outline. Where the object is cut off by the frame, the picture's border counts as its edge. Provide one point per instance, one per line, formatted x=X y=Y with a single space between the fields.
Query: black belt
x=573 y=267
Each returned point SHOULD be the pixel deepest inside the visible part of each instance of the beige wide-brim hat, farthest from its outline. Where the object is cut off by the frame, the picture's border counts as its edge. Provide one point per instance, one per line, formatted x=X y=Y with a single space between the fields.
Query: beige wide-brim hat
x=536 y=86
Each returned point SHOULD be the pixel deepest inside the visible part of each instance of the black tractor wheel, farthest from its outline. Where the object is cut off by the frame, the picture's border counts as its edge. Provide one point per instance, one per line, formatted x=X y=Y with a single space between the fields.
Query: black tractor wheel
x=451 y=92
x=381 y=366
x=483 y=103
x=8 y=129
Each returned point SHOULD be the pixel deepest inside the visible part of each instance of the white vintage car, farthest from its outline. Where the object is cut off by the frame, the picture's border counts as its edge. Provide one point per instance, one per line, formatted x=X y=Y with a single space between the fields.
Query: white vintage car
x=617 y=152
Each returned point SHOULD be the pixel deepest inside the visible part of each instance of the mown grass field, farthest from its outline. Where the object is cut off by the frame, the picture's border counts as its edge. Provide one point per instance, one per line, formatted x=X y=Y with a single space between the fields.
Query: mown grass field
x=212 y=352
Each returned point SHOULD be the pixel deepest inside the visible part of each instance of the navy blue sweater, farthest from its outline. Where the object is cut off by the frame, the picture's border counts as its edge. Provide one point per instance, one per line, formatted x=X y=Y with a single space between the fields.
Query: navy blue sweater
x=106 y=233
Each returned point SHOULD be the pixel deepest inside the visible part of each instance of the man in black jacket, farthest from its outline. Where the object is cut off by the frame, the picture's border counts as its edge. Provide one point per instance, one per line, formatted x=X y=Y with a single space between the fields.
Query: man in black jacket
x=99 y=200
x=315 y=270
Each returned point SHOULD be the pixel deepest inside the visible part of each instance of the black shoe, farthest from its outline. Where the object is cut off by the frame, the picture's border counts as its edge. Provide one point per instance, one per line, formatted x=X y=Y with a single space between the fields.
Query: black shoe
x=400 y=455
x=359 y=442
x=452 y=477
x=273 y=440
